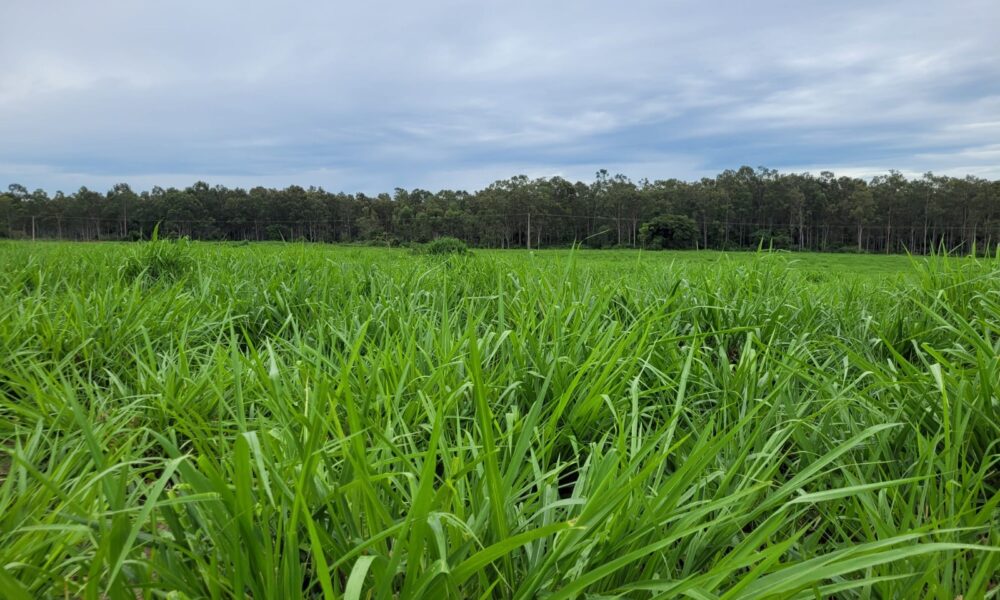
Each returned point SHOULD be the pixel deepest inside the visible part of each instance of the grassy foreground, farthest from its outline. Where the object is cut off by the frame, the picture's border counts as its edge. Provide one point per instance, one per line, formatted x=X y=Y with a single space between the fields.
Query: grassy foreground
x=211 y=421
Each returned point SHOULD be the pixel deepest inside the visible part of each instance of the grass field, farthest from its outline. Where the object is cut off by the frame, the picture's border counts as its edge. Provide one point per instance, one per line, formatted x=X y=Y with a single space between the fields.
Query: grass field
x=282 y=421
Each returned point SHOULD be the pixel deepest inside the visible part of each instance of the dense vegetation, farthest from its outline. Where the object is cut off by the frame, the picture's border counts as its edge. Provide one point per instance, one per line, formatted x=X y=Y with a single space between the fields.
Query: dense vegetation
x=276 y=421
x=737 y=209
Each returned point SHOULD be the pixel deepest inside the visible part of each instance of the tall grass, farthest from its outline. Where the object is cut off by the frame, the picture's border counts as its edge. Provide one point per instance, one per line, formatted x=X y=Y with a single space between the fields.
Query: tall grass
x=297 y=421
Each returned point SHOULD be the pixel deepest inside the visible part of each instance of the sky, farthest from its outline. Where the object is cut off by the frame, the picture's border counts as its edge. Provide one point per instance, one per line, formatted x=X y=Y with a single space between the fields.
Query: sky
x=370 y=96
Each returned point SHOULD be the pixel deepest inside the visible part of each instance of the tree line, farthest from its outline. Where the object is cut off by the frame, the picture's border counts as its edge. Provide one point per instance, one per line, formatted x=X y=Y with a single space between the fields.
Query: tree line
x=740 y=208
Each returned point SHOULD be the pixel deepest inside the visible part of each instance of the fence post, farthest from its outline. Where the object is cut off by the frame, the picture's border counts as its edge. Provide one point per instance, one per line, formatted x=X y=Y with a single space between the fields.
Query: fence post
x=529 y=231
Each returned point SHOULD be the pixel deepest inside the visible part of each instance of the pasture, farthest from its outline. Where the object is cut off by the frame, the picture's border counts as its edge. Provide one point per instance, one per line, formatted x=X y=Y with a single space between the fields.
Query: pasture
x=197 y=420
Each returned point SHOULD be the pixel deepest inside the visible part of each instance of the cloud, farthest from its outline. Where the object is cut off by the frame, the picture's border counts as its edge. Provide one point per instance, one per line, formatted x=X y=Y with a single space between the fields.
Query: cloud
x=370 y=96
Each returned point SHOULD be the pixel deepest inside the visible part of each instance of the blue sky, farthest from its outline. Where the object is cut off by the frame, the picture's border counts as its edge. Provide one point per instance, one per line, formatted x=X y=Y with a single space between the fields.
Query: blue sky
x=455 y=94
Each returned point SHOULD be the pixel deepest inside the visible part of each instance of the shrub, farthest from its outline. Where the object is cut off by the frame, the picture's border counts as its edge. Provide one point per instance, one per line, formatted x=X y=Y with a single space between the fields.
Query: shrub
x=766 y=238
x=446 y=246
x=669 y=231
x=159 y=260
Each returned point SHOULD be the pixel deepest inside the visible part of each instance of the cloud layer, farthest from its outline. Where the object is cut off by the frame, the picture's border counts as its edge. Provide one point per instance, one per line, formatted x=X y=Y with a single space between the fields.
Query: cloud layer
x=370 y=96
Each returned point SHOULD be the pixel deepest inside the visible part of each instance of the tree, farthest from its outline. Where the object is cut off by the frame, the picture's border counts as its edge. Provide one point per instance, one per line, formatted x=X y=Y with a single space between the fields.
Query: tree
x=736 y=209
x=669 y=231
x=862 y=206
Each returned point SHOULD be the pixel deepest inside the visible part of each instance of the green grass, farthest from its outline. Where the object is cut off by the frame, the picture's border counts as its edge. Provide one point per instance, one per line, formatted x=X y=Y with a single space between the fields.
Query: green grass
x=282 y=421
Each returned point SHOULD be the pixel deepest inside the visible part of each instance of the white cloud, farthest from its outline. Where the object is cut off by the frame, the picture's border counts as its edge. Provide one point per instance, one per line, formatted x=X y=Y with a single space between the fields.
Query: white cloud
x=456 y=93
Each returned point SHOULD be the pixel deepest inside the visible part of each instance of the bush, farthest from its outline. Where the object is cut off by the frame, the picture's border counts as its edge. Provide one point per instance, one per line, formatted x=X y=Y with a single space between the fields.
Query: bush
x=384 y=240
x=159 y=260
x=446 y=246
x=669 y=231
x=766 y=238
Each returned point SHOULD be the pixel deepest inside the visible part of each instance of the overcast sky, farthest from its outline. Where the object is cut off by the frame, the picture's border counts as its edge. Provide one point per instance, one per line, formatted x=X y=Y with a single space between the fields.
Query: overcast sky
x=368 y=96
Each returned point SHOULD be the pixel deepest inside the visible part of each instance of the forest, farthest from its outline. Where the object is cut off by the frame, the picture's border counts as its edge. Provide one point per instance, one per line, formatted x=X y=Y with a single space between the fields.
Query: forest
x=742 y=208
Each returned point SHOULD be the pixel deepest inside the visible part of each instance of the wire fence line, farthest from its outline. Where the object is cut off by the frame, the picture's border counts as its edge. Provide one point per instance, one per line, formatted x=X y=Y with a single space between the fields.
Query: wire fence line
x=48 y=219
x=470 y=227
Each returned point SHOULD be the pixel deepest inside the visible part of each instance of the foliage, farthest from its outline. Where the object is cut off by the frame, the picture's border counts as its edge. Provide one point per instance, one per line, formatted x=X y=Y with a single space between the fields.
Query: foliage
x=771 y=239
x=158 y=259
x=743 y=208
x=355 y=422
x=669 y=231
x=445 y=246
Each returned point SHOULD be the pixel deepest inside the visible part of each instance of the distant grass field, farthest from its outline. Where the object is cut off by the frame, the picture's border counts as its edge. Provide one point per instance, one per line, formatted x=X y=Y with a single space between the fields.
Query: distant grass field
x=855 y=264
x=279 y=421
